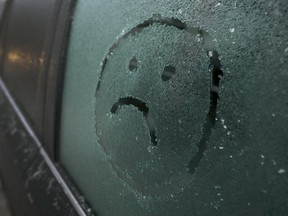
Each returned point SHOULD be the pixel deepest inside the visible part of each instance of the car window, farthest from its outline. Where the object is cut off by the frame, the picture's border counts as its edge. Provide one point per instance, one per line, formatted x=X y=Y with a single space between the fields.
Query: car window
x=178 y=107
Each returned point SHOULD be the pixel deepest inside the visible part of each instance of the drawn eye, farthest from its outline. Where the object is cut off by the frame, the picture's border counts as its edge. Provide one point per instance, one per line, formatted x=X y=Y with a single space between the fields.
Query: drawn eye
x=168 y=72
x=133 y=64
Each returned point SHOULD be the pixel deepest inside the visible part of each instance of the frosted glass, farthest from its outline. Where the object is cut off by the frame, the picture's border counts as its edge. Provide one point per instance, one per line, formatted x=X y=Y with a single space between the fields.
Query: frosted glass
x=178 y=107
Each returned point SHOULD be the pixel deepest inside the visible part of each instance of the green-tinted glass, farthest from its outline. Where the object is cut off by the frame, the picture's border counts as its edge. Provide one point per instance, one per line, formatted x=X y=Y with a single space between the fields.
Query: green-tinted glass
x=178 y=107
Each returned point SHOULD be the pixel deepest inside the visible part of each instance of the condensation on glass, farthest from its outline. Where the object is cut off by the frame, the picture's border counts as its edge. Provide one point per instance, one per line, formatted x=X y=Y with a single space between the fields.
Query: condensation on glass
x=178 y=107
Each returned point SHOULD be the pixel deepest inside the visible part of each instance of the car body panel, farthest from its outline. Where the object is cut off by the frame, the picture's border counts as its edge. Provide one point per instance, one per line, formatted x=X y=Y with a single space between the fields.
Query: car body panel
x=33 y=41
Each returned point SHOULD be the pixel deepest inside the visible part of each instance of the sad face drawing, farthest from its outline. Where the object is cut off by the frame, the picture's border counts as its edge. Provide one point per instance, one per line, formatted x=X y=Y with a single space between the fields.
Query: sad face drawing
x=156 y=103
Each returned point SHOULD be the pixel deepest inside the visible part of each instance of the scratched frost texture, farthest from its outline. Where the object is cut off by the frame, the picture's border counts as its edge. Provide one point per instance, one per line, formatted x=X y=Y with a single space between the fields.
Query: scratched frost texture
x=154 y=83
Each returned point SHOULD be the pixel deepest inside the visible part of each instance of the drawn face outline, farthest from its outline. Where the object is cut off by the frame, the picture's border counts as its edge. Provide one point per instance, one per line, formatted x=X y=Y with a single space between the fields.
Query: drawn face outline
x=209 y=45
